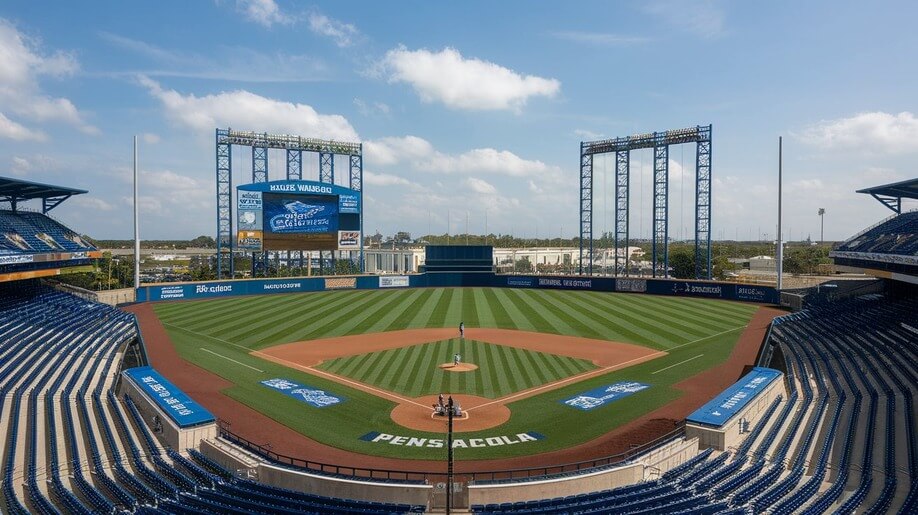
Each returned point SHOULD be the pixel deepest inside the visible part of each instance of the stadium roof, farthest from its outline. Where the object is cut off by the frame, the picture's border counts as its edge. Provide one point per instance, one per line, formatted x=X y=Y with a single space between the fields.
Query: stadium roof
x=891 y=195
x=16 y=190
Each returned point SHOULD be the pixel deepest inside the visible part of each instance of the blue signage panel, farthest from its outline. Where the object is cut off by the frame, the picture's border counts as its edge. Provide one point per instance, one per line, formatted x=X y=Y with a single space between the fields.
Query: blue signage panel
x=721 y=408
x=303 y=393
x=297 y=214
x=603 y=395
x=181 y=408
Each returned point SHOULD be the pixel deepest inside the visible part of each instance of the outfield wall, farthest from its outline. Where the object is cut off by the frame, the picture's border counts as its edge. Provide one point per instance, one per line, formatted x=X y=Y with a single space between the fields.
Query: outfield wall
x=701 y=289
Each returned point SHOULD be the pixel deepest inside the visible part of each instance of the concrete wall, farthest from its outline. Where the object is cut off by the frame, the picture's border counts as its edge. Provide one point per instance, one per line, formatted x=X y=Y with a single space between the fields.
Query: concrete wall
x=561 y=487
x=731 y=433
x=418 y=494
x=171 y=435
x=665 y=457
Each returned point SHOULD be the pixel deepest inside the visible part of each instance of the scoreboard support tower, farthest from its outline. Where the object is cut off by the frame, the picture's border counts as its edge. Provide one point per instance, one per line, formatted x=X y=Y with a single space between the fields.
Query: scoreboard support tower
x=659 y=142
x=294 y=146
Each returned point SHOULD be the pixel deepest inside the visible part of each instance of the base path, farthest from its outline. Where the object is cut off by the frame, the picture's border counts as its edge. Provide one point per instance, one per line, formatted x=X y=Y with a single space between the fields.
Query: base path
x=205 y=388
x=415 y=413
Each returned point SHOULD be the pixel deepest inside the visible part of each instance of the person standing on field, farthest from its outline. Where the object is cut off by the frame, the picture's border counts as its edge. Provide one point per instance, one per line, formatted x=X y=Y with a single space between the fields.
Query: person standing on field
x=461 y=329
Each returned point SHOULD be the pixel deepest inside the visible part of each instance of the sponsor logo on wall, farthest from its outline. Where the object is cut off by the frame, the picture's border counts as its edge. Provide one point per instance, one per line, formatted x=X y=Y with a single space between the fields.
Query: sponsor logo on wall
x=393 y=281
x=580 y=284
x=348 y=240
x=10 y=260
x=631 y=285
x=705 y=290
x=464 y=443
x=304 y=393
x=281 y=286
x=172 y=292
x=750 y=293
x=340 y=283
x=204 y=289
x=603 y=395
x=519 y=281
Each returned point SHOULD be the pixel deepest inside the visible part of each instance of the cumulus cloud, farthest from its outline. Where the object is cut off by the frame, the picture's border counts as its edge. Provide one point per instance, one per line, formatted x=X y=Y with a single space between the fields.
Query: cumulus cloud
x=480 y=186
x=263 y=12
x=384 y=179
x=421 y=155
x=463 y=83
x=248 y=111
x=876 y=131
x=22 y=64
x=343 y=34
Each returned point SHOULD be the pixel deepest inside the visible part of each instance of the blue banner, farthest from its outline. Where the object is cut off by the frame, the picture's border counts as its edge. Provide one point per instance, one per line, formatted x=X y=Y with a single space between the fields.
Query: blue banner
x=181 y=408
x=303 y=393
x=299 y=214
x=603 y=395
x=721 y=408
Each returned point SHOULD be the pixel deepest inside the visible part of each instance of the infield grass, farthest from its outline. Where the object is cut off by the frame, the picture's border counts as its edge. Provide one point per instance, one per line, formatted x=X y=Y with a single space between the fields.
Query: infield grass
x=219 y=334
x=414 y=370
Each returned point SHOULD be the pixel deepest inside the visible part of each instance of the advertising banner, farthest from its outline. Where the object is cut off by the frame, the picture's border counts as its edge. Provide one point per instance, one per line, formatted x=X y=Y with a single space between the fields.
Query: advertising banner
x=631 y=285
x=603 y=395
x=348 y=203
x=249 y=240
x=721 y=408
x=249 y=220
x=303 y=393
x=348 y=240
x=393 y=281
x=300 y=214
x=180 y=407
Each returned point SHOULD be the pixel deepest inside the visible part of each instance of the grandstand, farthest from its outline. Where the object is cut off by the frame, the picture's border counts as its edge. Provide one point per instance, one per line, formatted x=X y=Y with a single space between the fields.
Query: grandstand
x=837 y=433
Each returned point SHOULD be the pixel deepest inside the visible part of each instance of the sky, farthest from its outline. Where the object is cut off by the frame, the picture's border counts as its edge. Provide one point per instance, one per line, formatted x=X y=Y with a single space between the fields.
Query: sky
x=470 y=113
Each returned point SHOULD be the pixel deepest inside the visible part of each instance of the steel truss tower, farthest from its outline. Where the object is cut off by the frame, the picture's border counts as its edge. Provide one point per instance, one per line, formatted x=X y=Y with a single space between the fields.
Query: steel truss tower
x=659 y=142
x=260 y=144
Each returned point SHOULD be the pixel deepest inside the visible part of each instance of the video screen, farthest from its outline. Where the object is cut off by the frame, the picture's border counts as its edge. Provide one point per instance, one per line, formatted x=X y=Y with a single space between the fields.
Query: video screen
x=300 y=222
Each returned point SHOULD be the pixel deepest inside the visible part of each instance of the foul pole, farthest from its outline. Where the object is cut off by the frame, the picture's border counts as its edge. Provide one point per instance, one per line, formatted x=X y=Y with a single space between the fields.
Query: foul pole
x=136 y=224
x=779 y=255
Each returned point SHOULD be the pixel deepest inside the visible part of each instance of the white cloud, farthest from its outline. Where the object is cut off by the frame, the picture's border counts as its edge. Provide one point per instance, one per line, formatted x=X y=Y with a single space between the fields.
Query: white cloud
x=263 y=12
x=422 y=156
x=384 y=179
x=460 y=83
x=586 y=135
x=244 y=110
x=38 y=163
x=599 y=38
x=480 y=186
x=92 y=203
x=149 y=137
x=342 y=33
x=370 y=109
x=21 y=66
x=18 y=132
x=704 y=18
x=873 y=132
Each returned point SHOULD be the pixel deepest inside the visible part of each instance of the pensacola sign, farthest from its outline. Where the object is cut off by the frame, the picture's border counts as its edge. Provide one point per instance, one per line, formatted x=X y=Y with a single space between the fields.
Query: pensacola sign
x=721 y=408
x=603 y=395
x=181 y=409
x=464 y=443
x=303 y=393
x=349 y=201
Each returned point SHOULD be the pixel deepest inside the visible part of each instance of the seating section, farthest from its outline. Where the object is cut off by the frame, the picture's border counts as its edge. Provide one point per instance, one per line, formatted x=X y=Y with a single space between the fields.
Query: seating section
x=29 y=232
x=897 y=235
x=69 y=444
x=843 y=441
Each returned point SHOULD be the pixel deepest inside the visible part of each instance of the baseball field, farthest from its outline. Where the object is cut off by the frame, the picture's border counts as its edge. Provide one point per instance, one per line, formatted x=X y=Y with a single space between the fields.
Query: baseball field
x=542 y=370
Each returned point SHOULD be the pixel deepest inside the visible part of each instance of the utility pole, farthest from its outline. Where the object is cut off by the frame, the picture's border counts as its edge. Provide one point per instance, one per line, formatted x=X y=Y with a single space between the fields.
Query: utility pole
x=449 y=455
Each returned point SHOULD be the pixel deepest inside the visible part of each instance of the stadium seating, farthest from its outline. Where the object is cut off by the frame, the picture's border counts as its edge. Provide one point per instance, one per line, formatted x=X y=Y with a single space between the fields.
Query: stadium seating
x=898 y=235
x=29 y=232
x=70 y=445
x=831 y=447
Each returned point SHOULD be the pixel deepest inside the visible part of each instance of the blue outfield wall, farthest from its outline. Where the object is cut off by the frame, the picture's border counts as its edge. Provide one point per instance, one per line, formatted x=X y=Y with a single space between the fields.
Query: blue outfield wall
x=702 y=289
x=184 y=411
x=732 y=400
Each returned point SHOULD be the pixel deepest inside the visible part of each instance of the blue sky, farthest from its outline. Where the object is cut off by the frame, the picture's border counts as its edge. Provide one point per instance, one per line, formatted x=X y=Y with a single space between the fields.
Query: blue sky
x=464 y=107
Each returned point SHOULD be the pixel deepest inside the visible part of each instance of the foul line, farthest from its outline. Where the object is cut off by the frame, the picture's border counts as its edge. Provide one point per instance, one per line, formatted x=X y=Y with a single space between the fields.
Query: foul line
x=708 y=337
x=337 y=378
x=247 y=349
x=677 y=364
x=231 y=359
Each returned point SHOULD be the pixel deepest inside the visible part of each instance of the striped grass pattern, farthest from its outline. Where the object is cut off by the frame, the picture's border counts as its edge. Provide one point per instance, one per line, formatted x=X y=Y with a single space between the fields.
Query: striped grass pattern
x=258 y=322
x=414 y=370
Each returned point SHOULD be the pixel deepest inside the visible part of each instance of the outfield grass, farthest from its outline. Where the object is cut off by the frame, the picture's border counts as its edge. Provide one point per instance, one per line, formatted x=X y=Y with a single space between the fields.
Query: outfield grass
x=414 y=370
x=219 y=334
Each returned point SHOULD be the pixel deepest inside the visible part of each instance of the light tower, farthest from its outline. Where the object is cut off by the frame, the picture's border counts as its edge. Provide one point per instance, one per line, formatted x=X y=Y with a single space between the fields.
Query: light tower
x=822 y=224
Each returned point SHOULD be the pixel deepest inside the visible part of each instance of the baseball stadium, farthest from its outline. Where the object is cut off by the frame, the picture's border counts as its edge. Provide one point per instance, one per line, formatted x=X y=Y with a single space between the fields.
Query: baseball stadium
x=456 y=389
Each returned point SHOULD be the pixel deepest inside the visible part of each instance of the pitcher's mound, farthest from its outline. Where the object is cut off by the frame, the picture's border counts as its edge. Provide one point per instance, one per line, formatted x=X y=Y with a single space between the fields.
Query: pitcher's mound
x=461 y=367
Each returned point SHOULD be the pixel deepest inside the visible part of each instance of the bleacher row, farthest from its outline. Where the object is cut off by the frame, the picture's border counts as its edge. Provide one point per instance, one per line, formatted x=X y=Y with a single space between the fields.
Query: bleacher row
x=843 y=441
x=898 y=235
x=69 y=445
x=28 y=232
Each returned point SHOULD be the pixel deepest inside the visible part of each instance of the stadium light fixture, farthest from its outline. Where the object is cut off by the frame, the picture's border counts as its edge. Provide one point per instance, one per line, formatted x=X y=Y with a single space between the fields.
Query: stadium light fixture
x=822 y=224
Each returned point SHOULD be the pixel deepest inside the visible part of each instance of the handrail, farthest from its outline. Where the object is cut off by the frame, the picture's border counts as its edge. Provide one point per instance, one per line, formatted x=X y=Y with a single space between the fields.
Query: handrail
x=264 y=451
